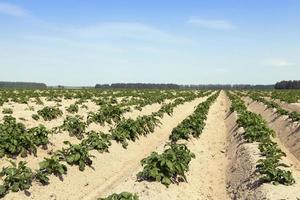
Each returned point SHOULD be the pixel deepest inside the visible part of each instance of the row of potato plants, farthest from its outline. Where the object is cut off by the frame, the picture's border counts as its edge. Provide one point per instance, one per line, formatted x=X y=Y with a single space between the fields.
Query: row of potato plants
x=294 y=116
x=19 y=141
x=19 y=176
x=171 y=165
x=289 y=96
x=195 y=123
x=114 y=114
x=24 y=96
x=256 y=129
x=129 y=129
x=16 y=139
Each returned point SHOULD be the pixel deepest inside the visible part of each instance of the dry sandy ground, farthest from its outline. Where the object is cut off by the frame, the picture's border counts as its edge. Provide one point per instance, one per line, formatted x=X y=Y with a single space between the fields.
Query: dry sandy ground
x=57 y=140
x=206 y=178
x=109 y=168
x=224 y=167
x=284 y=129
x=288 y=106
x=287 y=131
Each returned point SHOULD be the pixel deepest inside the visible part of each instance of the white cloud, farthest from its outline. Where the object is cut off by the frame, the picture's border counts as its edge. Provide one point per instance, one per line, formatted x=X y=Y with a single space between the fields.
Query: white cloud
x=129 y=31
x=13 y=10
x=211 y=23
x=279 y=62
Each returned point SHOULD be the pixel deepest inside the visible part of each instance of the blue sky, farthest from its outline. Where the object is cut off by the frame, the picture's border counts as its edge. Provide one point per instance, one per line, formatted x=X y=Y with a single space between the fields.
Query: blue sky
x=86 y=42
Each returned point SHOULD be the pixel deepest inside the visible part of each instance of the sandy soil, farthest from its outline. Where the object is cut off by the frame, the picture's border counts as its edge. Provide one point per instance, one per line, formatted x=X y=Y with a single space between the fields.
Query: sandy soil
x=56 y=140
x=224 y=167
x=109 y=168
x=287 y=131
x=206 y=178
x=279 y=125
x=288 y=106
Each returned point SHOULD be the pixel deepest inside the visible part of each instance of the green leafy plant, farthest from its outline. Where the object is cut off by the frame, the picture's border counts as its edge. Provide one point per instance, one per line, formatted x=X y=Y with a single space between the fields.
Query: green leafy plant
x=74 y=126
x=35 y=117
x=76 y=154
x=294 y=116
x=271 y=172
x=107 y=113
x=16 y=178
x=73 y=108
x=256 y=130
x=121 y=196
x=125 y=130
x=269 y=148
x=39 y=135
x=50 y=166
x=38 y=101
x=97 y=141
x=15 y=139
x=84 y=107
x=194 y=124
x=168 y=167
x=7 y=111
x=49 y=113
x=129 y=129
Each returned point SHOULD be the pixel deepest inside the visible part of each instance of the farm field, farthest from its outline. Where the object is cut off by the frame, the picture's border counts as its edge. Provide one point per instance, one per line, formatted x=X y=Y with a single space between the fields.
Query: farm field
x=149 y=144
x=149 y=100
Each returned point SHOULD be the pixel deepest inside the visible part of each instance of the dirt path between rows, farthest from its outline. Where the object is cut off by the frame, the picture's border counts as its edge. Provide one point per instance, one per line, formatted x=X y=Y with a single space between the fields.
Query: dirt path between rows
x=288 y=106
x=287 y=132
x=206 y=178
x=109 y=168
x=57 y=140
x=283 y=130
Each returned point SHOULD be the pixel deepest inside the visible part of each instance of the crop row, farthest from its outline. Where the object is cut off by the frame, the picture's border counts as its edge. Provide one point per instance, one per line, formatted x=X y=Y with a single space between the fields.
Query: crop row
x=130 y=97
x=19 y=176
x=294 y=116
x=171 y=165
x=256 y=130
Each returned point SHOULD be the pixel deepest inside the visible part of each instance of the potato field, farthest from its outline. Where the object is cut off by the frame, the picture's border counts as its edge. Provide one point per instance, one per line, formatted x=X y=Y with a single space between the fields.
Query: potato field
x=130 y=144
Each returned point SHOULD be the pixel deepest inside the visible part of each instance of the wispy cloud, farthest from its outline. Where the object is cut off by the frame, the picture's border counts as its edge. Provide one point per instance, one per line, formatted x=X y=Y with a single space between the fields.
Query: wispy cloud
x=278 y=62
x=129 y=31
x=13 y=10
x=211 y=23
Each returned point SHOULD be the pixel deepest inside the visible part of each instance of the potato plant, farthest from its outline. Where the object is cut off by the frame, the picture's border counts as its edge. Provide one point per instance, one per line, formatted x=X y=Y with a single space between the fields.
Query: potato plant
x=7 y=111
x=73 y=108
x=74 y=126
x=121 y=196
x=168 y=167
x=107 y=114
x=256 y=130
x=49 y=113
x=76 y=154
x=50 y=166
x=35 y=117
x=39 y=135
x=129 y=129
x=15 y=139
x=16 y=177
x=294 y=116
x=194 y=124
x=97 y=141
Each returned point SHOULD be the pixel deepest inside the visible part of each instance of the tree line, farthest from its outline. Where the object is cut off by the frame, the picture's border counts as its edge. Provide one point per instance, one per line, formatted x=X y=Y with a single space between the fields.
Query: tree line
x=279 y=85
x=5 y=84
x=176 y=86
x=287 y=85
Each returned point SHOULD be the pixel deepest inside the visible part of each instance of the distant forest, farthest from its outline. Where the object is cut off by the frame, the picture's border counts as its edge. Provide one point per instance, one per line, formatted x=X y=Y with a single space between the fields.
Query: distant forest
x=287 y=85
x=175 y=86
x=4 y=84
x=279 y=85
